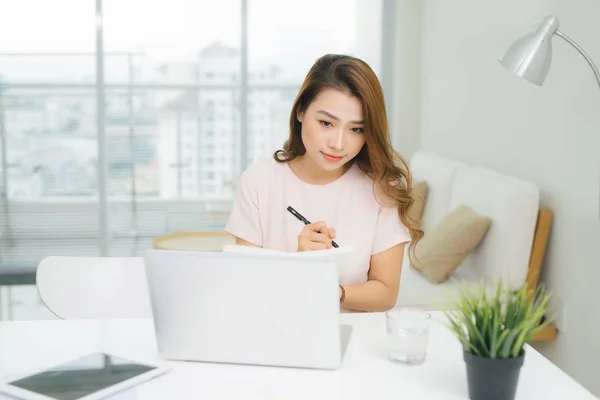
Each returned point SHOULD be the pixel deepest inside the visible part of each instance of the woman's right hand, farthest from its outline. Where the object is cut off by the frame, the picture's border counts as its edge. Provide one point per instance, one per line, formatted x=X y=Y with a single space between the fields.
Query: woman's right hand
x=315 y=236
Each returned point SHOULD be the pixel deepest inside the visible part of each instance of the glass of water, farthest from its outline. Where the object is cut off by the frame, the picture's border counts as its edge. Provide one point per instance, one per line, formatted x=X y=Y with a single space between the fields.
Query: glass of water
x=407 y=335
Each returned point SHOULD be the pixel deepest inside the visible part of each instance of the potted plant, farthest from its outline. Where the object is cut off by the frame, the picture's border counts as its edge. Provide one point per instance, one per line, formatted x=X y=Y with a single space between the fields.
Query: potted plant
x=493 y=329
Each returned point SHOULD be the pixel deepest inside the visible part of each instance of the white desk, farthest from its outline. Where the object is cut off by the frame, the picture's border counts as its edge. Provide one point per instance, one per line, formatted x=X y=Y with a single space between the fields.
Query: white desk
x=366 y=372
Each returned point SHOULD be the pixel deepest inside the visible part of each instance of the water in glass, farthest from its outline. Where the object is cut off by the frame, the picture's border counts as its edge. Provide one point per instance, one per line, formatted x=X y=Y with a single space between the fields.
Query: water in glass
x=407 y=335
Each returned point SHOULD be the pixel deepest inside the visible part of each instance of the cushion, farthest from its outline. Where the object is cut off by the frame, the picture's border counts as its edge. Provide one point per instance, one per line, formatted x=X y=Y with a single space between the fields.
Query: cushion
x=417 y=291
x=513 y=206
x=419 y=194
x=442 y=250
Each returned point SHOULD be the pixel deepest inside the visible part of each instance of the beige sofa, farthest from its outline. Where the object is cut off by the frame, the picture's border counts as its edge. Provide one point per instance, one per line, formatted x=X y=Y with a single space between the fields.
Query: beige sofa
x=511 y=249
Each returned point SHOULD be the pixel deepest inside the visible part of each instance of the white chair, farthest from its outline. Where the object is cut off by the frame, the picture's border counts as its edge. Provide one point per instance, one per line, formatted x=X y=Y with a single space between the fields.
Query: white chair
x=94 y=287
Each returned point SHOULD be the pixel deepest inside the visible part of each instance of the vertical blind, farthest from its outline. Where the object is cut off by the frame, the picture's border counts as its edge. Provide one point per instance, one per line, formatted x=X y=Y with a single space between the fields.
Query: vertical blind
x=191 y=93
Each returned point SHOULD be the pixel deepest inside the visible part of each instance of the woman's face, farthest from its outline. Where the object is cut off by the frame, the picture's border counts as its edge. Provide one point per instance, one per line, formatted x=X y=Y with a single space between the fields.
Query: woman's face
x=332 y=129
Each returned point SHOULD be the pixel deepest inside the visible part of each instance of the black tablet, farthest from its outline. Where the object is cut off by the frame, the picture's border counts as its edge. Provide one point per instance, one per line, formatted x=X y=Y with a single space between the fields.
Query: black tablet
x=93 y=376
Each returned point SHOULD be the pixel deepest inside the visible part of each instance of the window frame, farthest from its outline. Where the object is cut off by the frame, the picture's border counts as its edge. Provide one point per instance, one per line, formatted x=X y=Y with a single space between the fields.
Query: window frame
x=101 y=87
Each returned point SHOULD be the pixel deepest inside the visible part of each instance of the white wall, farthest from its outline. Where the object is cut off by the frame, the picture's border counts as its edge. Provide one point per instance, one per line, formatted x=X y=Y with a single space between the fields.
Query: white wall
x=473 y=110
x=404 y=121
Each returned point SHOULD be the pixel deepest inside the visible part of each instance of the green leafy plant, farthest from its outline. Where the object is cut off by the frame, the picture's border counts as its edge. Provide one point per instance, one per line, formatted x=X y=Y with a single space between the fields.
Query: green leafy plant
x=497 y=324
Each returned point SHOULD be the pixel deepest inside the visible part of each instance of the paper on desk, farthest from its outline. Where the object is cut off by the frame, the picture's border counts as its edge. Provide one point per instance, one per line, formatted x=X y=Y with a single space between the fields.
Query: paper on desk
x=343 y=256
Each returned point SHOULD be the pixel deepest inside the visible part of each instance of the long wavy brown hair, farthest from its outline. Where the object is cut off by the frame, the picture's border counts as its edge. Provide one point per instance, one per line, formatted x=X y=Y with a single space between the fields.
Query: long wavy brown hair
x=377 y=158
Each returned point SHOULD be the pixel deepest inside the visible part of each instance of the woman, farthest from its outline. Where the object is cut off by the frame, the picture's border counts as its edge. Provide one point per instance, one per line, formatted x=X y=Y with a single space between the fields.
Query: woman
x=339 y=170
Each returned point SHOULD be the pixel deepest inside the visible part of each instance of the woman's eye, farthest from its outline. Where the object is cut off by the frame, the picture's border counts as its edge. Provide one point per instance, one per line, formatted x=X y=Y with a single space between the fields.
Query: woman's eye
x=357 y=130
x=325 y=123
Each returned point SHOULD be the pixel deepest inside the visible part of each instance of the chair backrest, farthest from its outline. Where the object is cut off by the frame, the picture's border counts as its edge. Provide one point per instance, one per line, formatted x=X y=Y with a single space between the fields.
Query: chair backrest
x=94 y=287
x=511 y=203
x=194 y=241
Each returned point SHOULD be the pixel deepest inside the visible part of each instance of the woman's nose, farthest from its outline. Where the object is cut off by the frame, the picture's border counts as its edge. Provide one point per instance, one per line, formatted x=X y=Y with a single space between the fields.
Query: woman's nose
x=337 y=140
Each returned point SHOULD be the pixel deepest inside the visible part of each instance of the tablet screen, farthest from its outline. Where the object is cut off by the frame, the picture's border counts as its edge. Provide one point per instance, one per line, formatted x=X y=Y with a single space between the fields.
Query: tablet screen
x=82 y=376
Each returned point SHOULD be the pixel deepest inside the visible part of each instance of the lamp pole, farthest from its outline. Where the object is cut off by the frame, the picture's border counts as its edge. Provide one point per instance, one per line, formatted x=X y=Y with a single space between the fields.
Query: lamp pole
x=582 y=52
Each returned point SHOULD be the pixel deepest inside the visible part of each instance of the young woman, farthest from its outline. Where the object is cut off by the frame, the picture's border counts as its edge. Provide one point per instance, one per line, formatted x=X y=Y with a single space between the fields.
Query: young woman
x=337 y=169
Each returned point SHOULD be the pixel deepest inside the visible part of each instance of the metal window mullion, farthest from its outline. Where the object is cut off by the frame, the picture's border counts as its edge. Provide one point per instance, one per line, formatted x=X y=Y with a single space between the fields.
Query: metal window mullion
x=132 y=144
x=200 y=139
x=179 y=162
x=388 y=8
x=243 y=103
x=101 y=135
x=5 y=228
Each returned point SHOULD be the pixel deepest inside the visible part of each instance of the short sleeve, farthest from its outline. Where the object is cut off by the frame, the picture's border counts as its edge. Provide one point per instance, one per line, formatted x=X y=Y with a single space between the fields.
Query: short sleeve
x=389 y=230
x=244 y=219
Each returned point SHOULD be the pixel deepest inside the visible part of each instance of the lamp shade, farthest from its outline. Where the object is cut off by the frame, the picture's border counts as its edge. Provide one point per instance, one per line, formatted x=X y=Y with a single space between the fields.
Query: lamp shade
x=531 y=55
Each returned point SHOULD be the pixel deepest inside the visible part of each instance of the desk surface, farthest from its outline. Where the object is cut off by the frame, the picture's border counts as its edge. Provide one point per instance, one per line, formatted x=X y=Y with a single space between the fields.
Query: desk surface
x=365 y=373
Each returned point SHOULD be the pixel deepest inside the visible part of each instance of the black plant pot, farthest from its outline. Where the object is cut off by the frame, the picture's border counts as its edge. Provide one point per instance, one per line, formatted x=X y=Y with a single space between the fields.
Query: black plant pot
x=492 y=378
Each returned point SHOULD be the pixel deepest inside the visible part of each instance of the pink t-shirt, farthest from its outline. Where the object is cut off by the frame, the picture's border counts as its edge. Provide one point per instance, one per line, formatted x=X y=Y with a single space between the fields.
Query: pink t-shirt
x=265 y=190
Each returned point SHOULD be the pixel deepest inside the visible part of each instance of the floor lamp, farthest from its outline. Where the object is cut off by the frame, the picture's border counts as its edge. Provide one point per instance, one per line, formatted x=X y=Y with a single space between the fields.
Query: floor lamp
x=530 y=56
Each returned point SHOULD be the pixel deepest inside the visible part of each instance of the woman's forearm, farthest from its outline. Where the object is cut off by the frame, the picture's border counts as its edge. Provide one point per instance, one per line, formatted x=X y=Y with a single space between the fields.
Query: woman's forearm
x=372 y=295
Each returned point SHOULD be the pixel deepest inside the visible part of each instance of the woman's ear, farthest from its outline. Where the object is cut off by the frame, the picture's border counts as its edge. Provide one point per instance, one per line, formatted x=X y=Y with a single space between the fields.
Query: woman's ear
x=300 y=116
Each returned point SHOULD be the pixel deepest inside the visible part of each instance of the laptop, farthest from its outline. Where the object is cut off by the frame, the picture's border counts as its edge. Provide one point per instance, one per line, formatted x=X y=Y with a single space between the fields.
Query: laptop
x=246 y=308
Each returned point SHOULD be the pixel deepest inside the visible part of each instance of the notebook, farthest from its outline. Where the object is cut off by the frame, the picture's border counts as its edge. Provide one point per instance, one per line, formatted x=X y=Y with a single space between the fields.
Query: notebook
x=343 y=256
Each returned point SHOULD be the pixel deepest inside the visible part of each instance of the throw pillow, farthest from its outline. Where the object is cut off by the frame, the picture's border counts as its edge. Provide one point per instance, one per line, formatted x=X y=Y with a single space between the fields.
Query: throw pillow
x=442 y=250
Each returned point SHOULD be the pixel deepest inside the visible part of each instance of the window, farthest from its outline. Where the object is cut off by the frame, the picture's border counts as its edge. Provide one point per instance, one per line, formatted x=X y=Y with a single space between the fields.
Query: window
x=175 y=122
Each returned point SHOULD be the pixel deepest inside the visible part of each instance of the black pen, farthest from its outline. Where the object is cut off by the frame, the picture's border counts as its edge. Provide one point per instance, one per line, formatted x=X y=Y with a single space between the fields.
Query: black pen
x=306 y=222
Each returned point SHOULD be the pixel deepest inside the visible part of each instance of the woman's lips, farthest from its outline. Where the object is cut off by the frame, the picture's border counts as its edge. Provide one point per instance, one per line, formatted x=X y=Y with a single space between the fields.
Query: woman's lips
x=332 y=158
